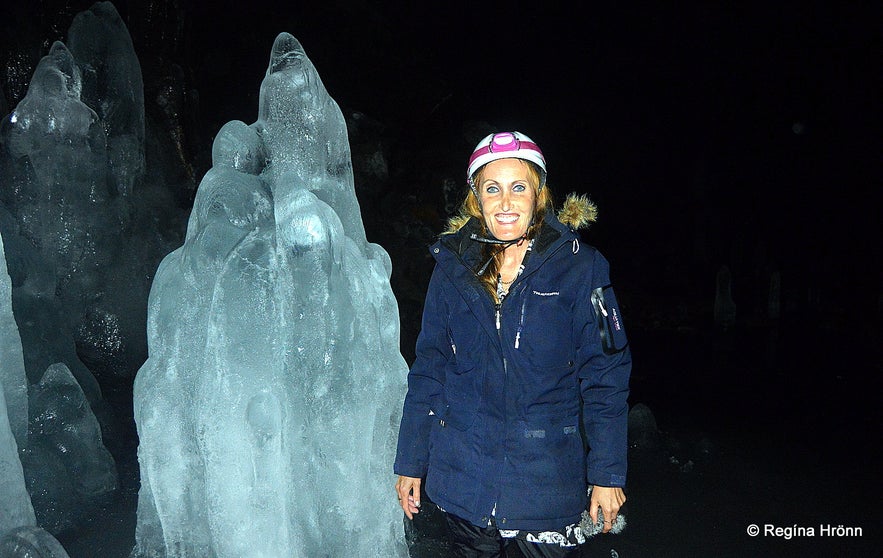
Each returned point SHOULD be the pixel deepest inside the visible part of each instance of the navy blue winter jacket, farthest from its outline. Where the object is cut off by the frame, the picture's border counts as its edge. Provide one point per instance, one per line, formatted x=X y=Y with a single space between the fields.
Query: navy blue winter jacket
x=502 y=400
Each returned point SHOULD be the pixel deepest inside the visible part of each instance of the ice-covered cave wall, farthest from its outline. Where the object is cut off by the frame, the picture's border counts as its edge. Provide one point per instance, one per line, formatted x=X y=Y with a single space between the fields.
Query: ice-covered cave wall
x=79 y=214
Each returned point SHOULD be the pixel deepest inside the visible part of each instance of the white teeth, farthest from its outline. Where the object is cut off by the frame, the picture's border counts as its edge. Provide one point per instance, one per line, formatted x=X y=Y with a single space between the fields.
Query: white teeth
x=507 y=218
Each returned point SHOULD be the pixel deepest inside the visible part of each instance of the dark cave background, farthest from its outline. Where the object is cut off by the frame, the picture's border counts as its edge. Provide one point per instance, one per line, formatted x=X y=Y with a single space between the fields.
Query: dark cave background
x=709 y=136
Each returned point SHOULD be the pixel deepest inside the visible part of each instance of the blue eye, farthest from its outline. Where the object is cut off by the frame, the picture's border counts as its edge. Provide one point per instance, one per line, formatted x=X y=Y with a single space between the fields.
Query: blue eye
x=519 y=188
x=492 y=189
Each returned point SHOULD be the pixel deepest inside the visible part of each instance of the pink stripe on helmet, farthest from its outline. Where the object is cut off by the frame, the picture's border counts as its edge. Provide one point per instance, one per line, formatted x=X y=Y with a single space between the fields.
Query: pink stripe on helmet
x=523 y=145
x=504 y=145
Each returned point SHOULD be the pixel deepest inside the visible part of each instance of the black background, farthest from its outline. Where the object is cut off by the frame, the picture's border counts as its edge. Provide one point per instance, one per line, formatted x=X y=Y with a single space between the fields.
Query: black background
x=743 y=135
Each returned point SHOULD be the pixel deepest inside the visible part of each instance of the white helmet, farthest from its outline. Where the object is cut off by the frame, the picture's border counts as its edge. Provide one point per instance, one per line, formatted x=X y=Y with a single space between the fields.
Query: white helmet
x=505 y=145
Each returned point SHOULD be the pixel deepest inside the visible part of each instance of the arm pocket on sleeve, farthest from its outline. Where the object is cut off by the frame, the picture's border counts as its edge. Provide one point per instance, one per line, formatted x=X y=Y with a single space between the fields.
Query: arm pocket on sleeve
x=609 y=318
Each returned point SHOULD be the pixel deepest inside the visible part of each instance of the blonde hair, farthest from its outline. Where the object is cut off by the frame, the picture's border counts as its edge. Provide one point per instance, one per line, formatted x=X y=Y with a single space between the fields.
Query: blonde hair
x=471 y=207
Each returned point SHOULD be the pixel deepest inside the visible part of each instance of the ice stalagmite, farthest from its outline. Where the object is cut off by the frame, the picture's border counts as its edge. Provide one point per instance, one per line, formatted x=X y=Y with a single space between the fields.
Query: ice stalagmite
x=268 y=407
x=54 y=156
x=20 y=537
x=15 y=504
x=112 y=84
x=13 y=382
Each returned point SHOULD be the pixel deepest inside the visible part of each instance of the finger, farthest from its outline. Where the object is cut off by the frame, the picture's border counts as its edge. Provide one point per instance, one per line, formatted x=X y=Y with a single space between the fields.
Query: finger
x=609 y=518
x=406 y=507
x=414 y=497
x=415 y=494
x=410 y=497
x=594 y=505
x=412 y=505
x=402 y=490
x=593 y=512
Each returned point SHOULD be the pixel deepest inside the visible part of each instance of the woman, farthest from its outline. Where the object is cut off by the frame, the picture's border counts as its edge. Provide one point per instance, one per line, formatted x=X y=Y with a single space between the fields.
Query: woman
x=521 y=358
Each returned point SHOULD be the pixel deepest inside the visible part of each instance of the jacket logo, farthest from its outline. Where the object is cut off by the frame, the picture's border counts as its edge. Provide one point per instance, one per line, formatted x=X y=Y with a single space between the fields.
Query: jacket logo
x=553 y=293
x=616 y=324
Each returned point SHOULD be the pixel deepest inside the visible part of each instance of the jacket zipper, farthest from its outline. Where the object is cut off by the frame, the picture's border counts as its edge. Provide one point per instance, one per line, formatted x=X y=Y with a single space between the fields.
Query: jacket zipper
x=520 y=321
x=500 y=336
x=497 y=307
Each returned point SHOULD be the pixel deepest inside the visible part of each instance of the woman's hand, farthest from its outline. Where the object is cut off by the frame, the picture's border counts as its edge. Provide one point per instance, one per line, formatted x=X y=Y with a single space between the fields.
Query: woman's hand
x=609 y=499
x=408 y=490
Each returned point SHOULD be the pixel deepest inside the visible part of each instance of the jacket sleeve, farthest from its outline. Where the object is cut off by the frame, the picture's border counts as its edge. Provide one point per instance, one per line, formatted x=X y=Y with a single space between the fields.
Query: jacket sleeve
x=425 y=383
x=605 y=366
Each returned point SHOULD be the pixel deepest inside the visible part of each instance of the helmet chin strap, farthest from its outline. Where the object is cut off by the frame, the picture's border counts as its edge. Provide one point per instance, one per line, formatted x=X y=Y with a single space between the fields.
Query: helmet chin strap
x=483 y=239
x=502 y=243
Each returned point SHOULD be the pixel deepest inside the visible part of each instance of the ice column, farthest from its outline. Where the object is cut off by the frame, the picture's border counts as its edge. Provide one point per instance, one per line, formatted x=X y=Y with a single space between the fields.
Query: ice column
x=15 y=504
x=19 y=535
x=13 y=381
x=112 y=84
x=268 y=407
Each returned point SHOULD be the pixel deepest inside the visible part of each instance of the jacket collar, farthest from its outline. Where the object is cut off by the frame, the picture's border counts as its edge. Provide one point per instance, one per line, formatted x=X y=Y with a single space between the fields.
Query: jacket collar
x=469 y=251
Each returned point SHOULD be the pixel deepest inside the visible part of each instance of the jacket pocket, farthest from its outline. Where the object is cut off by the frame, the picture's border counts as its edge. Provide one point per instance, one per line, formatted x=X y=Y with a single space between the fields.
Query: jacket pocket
x=459 y=419
x=457 y=410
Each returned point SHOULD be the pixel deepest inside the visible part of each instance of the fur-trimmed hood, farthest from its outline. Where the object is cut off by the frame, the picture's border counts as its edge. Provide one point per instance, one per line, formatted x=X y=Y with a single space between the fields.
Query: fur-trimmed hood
x=578 y=211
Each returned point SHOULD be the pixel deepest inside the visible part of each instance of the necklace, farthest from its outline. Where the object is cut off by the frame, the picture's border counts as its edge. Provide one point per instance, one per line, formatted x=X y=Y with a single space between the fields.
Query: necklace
x=503 y=286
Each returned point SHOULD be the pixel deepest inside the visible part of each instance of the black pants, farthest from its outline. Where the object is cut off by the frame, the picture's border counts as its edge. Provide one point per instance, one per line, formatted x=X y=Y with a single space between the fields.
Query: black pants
x=469 y=541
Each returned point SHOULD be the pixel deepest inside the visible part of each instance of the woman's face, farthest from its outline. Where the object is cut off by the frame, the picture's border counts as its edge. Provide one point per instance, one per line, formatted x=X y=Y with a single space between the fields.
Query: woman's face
x=507 y=198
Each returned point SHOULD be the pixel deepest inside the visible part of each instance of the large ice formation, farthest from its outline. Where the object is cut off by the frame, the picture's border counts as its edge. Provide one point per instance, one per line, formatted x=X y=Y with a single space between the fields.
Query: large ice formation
x=268 y=407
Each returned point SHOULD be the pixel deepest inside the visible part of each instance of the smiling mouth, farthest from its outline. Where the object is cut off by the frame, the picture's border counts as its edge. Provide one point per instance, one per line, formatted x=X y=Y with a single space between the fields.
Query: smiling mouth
x=507 y=219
